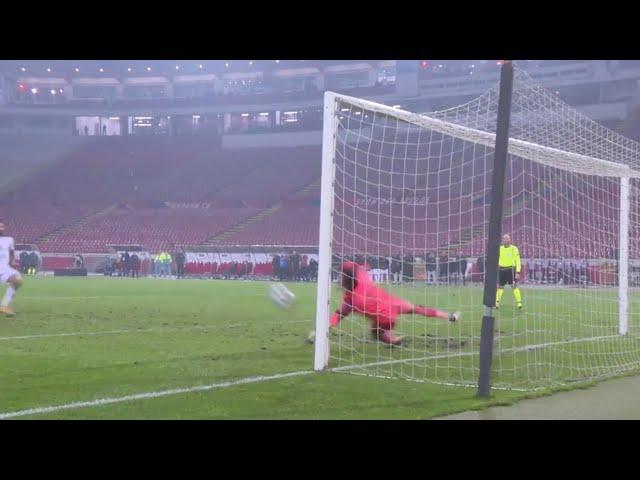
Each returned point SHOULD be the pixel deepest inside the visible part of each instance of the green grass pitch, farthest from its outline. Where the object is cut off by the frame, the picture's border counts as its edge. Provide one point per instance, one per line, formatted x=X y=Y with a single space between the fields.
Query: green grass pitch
x=85 y=339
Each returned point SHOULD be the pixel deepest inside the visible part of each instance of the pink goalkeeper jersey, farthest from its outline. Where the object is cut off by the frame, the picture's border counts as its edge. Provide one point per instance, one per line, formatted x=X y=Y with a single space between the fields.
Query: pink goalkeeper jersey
x=368 y=299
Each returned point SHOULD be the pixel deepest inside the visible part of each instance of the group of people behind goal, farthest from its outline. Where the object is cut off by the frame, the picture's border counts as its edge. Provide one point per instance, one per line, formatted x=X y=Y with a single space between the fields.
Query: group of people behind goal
x=351 y=273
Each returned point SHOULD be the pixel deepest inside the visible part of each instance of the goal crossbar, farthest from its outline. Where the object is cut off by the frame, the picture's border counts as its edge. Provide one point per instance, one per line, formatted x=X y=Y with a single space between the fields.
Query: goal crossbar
x=569 y=161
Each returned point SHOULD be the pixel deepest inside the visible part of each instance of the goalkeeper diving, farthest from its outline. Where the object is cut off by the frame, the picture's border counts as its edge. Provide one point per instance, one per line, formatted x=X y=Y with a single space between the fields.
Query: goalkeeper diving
x=362 y=295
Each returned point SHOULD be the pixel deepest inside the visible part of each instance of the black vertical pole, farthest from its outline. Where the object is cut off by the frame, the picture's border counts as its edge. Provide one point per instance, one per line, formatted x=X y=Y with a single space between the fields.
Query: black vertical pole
x=495 y=226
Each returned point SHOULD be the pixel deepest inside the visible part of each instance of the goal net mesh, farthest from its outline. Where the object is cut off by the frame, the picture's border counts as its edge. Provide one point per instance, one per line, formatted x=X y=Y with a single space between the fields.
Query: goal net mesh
x=411 y=197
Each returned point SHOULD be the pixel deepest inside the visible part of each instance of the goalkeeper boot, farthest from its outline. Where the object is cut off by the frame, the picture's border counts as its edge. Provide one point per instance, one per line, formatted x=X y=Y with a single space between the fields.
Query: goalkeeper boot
x=454 y=317
x=395 y=341
x=387 y=336
x=520 y=306
x=497 y=305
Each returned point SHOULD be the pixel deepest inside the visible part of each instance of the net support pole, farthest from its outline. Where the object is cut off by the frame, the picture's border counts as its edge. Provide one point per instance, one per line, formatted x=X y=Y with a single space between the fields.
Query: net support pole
x=495 y=224
x=323 y=306
x=623 y=258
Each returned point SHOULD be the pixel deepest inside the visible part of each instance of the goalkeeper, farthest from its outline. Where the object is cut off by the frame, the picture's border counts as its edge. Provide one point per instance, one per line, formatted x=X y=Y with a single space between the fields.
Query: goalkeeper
x=362 y=295
x=508 y=270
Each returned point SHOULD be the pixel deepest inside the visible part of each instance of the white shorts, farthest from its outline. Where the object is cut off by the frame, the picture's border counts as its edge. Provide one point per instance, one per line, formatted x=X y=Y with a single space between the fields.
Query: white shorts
x=6 y=273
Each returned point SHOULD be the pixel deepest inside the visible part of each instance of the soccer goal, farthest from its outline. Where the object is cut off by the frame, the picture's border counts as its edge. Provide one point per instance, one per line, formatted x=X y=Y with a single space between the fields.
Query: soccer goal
x=409 y=194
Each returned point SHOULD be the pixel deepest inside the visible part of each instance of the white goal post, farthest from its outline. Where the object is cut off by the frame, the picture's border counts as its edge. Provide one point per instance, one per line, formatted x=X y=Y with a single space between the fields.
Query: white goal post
x=400 y=186
x=323 y=307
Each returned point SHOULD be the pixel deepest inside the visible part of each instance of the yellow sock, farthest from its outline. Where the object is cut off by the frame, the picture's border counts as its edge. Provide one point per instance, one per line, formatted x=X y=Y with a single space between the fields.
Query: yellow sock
x=499 y=295
x=516 y=293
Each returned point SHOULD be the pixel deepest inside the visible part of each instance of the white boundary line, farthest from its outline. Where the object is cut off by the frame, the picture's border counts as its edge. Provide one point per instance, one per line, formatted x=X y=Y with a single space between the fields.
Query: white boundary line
x=143 y=396
x=85 y=297
x=74 y=297
x=72 y=334
x=467 y=354
x=145 y=330
x=249 y=380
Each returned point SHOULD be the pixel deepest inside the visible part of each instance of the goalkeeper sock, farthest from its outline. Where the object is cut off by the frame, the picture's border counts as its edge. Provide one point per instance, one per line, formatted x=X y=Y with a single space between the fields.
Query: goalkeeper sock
x=429 y=312
x=8 y=295
x=499 y=295
x=516 y=293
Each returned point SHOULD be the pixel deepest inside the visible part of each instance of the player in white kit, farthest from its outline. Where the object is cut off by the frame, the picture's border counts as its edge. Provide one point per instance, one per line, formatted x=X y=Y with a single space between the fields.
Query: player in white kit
x=8 y=274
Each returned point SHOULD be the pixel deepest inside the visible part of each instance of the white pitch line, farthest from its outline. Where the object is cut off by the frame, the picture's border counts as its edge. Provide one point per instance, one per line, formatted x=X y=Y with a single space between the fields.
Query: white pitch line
x=145 y=330
x=248 y=380
x=84 y=297
x=71 y=334
x=467 y=354
x=76 y=297
x=144 y=396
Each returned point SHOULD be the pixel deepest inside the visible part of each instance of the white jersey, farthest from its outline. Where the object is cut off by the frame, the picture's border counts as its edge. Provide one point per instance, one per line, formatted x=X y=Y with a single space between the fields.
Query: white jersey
x=6 y=245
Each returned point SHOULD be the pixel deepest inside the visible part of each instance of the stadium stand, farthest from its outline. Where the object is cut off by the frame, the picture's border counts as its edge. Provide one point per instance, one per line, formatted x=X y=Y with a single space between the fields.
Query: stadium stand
x=160 y=191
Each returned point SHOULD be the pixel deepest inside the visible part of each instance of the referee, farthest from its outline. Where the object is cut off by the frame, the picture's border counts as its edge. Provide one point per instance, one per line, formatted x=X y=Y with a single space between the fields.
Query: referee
x=509 y=270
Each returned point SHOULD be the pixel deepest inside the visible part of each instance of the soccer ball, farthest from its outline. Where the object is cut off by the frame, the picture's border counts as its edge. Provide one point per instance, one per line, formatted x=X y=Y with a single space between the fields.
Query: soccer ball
x=281 y=295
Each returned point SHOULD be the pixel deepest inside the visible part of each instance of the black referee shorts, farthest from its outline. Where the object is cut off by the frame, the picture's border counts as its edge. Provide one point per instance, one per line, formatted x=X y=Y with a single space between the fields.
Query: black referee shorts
x=506 y=276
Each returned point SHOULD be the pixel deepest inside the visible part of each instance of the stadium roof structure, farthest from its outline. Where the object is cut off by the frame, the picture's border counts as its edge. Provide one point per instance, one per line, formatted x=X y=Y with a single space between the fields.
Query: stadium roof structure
x=105 y=68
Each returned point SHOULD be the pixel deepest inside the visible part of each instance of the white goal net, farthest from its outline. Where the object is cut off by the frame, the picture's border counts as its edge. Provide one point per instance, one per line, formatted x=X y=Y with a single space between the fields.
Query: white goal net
x=407 y=196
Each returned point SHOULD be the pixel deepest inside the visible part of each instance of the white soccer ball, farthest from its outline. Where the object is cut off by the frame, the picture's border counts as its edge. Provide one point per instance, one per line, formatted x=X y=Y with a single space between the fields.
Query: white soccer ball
x=281 y=295
x=311 y=338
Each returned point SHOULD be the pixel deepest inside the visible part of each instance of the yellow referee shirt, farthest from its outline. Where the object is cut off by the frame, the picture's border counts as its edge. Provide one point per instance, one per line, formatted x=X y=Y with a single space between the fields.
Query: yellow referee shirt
x=509 y=257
